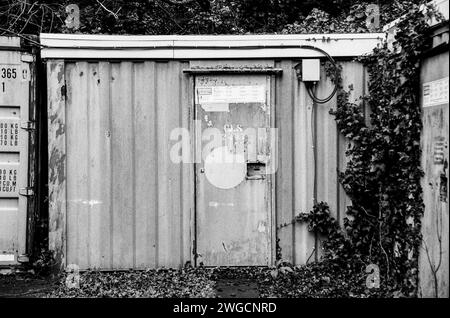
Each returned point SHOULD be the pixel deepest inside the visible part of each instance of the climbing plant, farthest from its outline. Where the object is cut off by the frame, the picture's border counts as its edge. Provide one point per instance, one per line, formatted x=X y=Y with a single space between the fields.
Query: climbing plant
x=382 y=176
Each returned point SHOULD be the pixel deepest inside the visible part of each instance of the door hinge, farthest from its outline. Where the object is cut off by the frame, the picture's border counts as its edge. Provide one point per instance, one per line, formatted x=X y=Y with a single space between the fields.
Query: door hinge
x=28 y=125
x=27 y=191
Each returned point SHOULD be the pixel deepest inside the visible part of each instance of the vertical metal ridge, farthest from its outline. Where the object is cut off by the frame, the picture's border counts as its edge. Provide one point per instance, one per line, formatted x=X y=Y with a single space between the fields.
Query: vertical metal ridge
x=180 y=119
x=76 y=66
x=194 y=153
x=133 y=161
x=277 y=89
x=88 y=181
x=314 y=132
x=66 y=225
x=155 y=123
x=293 y=164
x=111 y=179
x=338 y=195
x=274 y=112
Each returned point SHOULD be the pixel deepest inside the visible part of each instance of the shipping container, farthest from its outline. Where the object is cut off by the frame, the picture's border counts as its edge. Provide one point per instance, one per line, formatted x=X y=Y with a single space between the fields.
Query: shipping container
x=18 y=144
x=129 y=118
x=434 y=257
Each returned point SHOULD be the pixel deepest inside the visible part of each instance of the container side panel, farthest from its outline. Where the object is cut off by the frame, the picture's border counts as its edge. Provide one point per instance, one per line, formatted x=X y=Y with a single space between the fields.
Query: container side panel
x=434 y=254
x=187 y=173
x=130 y=205
x=78 y=209
x=354 y=77
x=326 y=138
x=102 y=164
x=57 y=174
x=123 y=165
x=187 y=184
x=168 y=96
x=96 y=142
x=303 y=173
x=162 y=149
x=284 y=183
x=146 y=184
x=15 y=104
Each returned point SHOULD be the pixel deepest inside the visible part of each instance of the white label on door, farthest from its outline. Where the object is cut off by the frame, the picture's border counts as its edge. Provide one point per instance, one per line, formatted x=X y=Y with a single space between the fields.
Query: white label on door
x=216 y=107
x=224 y=169
x=435 y=92
x=6 y=257
x=231 y=94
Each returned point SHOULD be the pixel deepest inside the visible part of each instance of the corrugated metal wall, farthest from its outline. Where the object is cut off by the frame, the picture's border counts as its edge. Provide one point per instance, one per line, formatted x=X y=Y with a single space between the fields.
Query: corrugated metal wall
x=299 y=129
x=128 y=205
x=119 y=202
x=435 y=157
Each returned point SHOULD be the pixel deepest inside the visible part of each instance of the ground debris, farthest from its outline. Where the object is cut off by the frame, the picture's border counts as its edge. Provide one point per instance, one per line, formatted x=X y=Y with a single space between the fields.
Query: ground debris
x=315 y=280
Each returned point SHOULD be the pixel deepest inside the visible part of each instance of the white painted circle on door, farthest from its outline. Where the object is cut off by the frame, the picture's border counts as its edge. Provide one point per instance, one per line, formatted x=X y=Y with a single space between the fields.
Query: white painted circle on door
x=225 y=169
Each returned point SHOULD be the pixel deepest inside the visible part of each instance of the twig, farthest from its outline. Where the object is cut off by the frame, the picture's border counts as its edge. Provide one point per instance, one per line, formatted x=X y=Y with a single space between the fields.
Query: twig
x=312 y=253
x=27 y=21
x=380 y=237
x=113 y=14
x=22 y=36
x=432 y=267
x=178 y=1
x=51 y=23
x=169 y=15
x=17 y=18
x=435 y=268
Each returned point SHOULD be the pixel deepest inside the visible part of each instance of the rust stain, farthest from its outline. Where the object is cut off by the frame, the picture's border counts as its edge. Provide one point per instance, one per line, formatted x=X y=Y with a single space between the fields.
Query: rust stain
x=60 y=73
x=61 y=129
x=56 y=166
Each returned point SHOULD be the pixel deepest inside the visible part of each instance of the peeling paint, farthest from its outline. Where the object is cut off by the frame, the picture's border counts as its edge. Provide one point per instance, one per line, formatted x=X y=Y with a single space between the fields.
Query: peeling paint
x=60 y=73
x=262 y=227
x=56 y=166
x=61 y=129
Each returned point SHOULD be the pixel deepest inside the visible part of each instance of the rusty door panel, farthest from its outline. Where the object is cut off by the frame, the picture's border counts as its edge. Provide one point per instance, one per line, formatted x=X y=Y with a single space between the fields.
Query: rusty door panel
x=233 y=199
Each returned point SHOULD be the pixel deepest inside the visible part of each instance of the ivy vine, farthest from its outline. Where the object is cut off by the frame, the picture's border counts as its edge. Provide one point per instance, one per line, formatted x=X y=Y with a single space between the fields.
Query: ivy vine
x=382 y=176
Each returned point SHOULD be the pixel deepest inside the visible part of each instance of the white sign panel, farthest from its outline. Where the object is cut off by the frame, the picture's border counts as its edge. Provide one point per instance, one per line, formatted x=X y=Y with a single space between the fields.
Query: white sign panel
x=435 y=92
x=231 y=94
x=6 y=257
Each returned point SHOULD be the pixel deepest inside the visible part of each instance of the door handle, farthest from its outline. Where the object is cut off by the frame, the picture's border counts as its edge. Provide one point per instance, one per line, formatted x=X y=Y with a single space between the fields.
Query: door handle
x=256 y=171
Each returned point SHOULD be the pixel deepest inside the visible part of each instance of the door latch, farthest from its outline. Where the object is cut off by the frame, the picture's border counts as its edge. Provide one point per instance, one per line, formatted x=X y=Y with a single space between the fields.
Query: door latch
x=27 y=191
x=28 y=125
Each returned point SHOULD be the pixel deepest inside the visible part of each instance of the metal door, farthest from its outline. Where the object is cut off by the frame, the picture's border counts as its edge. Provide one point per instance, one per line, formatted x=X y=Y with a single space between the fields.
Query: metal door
x=233 y=181
x=14 y=136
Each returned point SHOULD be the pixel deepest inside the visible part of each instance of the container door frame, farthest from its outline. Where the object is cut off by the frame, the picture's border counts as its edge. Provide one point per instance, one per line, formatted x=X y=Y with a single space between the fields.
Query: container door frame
x=271 y=178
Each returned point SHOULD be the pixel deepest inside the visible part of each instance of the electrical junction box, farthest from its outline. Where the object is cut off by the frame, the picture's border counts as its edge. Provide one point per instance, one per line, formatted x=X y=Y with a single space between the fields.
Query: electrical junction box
x=310 y=70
